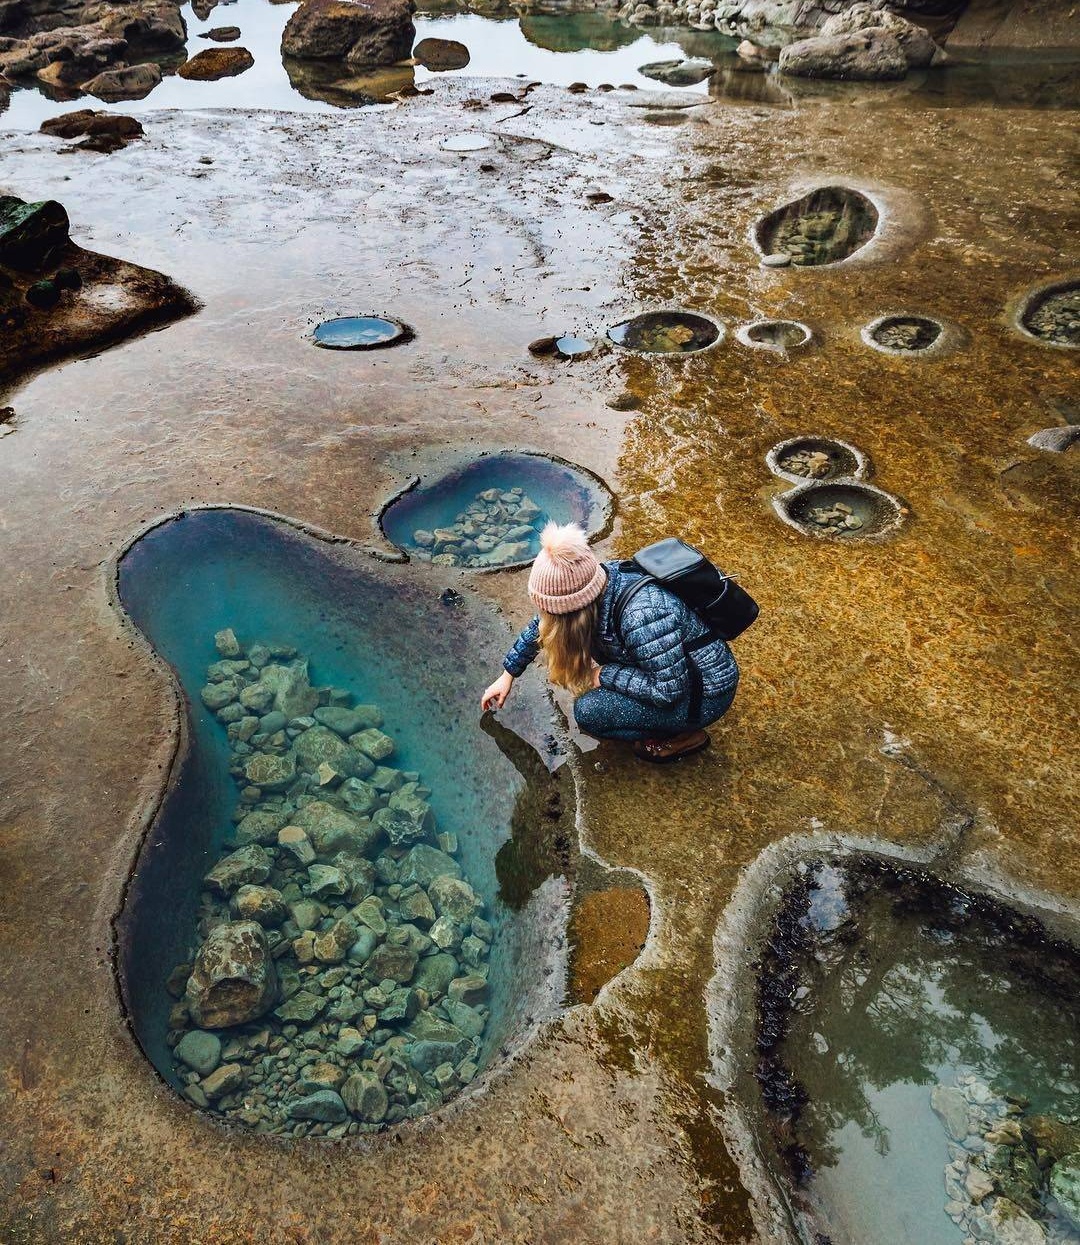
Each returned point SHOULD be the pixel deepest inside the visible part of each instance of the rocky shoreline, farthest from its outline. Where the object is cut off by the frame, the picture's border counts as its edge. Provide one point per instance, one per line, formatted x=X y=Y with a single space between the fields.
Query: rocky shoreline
x=338 y=982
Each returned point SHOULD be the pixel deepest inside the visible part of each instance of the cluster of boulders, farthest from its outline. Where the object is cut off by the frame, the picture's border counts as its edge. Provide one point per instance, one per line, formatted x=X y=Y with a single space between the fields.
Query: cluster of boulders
x=814 y=464
x=866 y=42
x=338 y=981
x=33 y=237
x=835 y=519
x=1057 y=317
x=103 y=48
x=1013 y=1176
x=495 y=529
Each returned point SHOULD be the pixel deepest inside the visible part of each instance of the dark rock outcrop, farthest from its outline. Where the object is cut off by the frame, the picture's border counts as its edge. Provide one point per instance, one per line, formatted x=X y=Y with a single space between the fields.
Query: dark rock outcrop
x=126 y=82
x=441 y=54
x=362 y=32
x=216 y=63
x=100 y=131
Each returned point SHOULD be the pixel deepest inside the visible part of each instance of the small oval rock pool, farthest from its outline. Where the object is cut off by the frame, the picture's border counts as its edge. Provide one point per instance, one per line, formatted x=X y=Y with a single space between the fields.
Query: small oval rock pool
x=314 y=940
x=489 y=513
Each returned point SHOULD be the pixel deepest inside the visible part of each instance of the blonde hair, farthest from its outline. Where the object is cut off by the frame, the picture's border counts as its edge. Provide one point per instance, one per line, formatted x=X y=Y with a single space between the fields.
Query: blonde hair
x=567 y=643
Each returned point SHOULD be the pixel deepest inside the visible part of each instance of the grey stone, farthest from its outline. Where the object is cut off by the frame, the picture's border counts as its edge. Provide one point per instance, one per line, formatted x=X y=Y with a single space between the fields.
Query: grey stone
x=455 y=898
x=222 y=1081
x=1065 y=1186
x=293 y=694
x=365 y=1097
x=332 y=946
x=245 y=865
x=434 y=974
x=199 y=1050
x=295 y=841
x=259 y=903
x=270 y=772
x=868 y=55
x=233 y=979
x=951 y=1108
x=324 y=1105
x=397 y=963
x=218 y=695
x=372 y=743
x=362 y=948
x=227 y=644
x=303 y=1006
x=423 y=864
x=326 y=880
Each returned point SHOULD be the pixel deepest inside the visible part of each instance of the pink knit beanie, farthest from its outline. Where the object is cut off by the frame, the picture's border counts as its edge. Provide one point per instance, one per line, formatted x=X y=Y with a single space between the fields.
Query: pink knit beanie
x=566 y=574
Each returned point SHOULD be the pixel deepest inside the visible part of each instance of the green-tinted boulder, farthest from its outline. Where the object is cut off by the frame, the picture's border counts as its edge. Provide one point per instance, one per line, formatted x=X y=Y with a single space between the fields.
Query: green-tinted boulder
x=293 y=694
x=259 y=903
x=344 y=722
x=455 y=898
x=217 y=695
x=331 y=829
x=199 y=1050
x=247 y=865
x=434 y=974
x=423 y=864
x=373 y=743
x=1065 y=1186
x=303 y=1006
x=396 y=963
x=30 y=232
x=259 y=827
x=365 y=1097
x=271 y=772
x=326 y=882
x=233 y=979
x=324 y=1105
x=332 y=946
x=399 y=826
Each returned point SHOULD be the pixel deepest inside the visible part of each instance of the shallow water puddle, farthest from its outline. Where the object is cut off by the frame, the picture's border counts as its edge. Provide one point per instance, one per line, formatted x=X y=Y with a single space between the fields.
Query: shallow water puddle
x=823 y=227
x=315 y=939
x=666 y=332
x=360 y=333
x=490 y=512
x=918 y=1052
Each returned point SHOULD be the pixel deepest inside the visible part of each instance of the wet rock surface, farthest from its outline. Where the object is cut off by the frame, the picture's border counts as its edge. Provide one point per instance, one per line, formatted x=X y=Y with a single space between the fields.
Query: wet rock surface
x=104 y=132
x=344 y=956
x=441 y=54
x=864 y=42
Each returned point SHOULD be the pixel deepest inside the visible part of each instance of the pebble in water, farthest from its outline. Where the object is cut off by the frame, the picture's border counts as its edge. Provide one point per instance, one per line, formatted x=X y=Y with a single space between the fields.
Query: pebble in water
x=496 y=528
x=342 y=955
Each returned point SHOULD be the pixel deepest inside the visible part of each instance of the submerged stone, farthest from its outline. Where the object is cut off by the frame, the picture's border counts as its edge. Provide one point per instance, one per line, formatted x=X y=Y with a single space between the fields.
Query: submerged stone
x=823 y=227
x=233 y=978
x=665 y=332
x=324 y=1105
x=200 y=1051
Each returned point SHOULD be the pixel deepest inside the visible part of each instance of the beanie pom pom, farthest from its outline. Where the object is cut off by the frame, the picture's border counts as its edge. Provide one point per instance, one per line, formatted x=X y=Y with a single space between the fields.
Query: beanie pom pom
x=564 y=543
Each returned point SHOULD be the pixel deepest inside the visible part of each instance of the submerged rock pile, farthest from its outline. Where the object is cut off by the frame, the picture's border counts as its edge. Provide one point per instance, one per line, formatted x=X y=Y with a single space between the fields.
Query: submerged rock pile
x=813 y=237
x=1014 y=1176
x=814 y=464
x=1057 y=317
x=495 y=529
x=907 y=333
x=836 y=519
x=342 y=961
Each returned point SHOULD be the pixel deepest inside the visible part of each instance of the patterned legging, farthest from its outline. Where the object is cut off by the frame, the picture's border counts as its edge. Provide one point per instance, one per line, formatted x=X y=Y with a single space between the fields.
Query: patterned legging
x=604 y=714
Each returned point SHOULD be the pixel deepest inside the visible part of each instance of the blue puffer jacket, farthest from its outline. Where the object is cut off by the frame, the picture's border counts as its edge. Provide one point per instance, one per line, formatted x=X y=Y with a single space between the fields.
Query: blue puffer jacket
x=645 y=659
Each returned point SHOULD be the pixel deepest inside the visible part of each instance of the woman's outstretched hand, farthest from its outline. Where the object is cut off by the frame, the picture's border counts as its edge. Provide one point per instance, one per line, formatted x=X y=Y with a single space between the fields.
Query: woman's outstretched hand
x=596 y=675
x=494 y=697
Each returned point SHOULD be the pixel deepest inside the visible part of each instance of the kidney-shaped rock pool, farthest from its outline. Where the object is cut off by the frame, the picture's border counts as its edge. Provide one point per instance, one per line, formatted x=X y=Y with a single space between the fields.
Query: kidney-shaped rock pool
x=312 y=941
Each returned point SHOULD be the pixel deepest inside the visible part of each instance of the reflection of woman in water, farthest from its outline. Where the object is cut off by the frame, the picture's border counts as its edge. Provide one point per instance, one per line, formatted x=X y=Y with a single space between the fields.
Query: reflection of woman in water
x=633 y=676
x=542 y=824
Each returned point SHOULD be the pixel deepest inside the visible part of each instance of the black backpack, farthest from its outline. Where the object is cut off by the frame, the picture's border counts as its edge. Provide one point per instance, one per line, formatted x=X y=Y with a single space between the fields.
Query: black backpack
x=723 y=606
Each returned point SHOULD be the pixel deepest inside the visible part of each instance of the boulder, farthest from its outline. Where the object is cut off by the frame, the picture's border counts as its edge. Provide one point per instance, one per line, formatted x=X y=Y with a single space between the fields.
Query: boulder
x=261 y=826
x=128 y=82
x=294 y=840
x=321 y=746
x=866 y=56
x=362 y=32
x=104 y=131
x=1065 y=1186
x=324 y=1106
x=221 y=34
x=214 y=63
x=227 y=644
x=400 y=826
x=332 y=946
x=326 y=881
x=454 y=898
x=200 y=1051
x=679 y=73
x=434 y=974
x=30 y=232
x=951 y=1108
x=391 y=962
x=365 y=1097
x=222 y=1081
x=424 y=863
x=293 y=694
x=246 y=865
x=441 y=54
x=233 y=979
x=303 y=1007
x=259 y=903
x=372 y=743
x=269 y=771
x=333 y=830
x=915 y=42
x=1056 y=1137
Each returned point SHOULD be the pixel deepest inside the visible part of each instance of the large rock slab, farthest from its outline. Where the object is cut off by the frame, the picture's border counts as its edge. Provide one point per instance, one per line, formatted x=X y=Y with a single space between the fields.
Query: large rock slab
x=865 y=56
x=362 y=32
x=918 y=47
x=233 y=980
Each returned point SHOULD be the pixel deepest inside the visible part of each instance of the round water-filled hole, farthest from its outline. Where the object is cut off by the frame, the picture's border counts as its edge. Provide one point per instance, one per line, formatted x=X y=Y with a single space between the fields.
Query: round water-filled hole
x=776 y=335
x=822 y=227
x=360 y=333
x=565 y=347
x=666 y=332
x=902 y=334
x=816 y=458
x=489 y=513
x=464 y=143
x=1052 y=314
x=839 y=510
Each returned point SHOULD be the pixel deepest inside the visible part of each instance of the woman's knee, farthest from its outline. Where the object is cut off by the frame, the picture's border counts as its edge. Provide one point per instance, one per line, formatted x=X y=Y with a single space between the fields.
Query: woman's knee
x=589 y=713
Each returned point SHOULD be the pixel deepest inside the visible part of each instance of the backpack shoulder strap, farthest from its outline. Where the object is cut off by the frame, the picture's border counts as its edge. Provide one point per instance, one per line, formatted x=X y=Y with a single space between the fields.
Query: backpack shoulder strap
x=626 y=595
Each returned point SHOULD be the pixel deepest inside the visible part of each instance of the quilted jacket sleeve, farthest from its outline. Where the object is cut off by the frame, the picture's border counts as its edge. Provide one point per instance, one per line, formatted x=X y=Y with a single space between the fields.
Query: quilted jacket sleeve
x=524 y=650
x=652 y=629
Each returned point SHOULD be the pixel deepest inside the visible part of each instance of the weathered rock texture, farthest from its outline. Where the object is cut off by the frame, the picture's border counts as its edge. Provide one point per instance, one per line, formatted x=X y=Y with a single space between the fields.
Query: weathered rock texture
x=363 y=32
x=216 y=63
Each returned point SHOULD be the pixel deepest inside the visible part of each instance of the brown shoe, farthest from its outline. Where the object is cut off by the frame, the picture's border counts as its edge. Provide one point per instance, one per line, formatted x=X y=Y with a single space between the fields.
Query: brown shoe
x=661 y=751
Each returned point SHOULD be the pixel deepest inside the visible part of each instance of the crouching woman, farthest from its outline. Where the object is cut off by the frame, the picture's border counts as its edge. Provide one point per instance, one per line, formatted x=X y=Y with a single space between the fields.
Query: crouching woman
x=650 y=676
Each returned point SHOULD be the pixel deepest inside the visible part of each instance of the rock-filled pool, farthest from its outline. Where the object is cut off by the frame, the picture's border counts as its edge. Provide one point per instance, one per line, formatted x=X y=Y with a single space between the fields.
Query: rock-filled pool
x=490 y=512
x=314 y=940
x=917 y=1055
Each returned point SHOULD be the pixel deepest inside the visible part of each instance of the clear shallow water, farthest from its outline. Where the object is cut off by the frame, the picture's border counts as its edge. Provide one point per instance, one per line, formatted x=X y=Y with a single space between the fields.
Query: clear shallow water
x=561 y=493
x=362 y=629
x=357 y=333
x=908 y=994
x=555 y=50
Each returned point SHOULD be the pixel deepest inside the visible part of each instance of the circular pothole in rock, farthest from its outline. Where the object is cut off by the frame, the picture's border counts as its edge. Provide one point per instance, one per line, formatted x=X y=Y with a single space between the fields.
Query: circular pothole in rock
x=462 y=144
x=360 y=333
x=666 y=332
x=489 y=513
x=823 y=227
x=779 y=336
x=1052 y=314
x=816 y=458
x=840 y=510
x=565 y=348
x=903 y=334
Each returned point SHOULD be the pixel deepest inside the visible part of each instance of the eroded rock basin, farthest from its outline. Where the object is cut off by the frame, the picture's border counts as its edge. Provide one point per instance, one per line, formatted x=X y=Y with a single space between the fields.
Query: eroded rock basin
x=917 y=1053
x=316 y=939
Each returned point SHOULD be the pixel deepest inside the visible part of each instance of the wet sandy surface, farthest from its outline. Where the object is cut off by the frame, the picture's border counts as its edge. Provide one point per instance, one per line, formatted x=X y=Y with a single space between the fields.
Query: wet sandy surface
x=953 y=636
